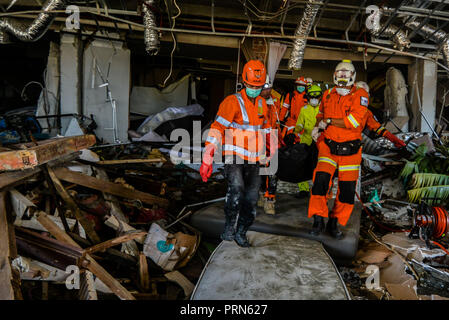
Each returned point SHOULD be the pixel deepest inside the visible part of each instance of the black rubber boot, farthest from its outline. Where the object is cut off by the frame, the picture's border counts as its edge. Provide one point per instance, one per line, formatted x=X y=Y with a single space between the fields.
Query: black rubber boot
x=229 y=231
x=318 y=225
x=240 y=236
x=332 y=228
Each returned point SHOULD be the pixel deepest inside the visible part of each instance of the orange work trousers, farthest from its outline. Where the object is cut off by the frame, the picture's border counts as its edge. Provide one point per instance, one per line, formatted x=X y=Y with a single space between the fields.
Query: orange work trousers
x=348 y=173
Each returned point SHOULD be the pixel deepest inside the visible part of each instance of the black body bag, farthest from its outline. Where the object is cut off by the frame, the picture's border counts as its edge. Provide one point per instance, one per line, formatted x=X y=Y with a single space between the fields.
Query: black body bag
x=297 y=162
x=346 y=148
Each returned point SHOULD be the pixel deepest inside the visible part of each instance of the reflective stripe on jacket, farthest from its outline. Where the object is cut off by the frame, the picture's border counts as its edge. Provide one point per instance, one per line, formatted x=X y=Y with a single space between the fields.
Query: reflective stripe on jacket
x=240 y=126
x=373 y=125
x=351 y=108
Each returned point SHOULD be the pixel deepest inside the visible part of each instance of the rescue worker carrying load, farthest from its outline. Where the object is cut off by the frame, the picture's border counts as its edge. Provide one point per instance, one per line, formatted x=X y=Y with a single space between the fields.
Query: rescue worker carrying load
x=304 y=126
x=291 y=108
x=241 y=122
x=267 y=194
x=341 y=114
x=373 y=125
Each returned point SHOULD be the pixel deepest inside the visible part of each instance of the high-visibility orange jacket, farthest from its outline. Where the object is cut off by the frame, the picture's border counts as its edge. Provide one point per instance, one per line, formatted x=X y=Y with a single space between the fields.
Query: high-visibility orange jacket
x=371 y=123
x=240 y=126
x=294 y=106
x=274 y=112
x=351 y=108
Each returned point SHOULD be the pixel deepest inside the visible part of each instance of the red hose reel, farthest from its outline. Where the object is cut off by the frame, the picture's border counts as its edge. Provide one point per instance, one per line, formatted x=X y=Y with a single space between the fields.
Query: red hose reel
x=432 y=222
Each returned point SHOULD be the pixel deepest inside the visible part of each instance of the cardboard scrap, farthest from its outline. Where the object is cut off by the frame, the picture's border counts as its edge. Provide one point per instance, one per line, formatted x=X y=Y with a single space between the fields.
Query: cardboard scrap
x=373 y=254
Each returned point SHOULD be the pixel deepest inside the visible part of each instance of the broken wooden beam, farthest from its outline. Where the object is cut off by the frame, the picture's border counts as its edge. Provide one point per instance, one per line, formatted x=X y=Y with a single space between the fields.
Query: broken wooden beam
x=114 y=242
x=128 y=161
x=108 y=187
x=89 y=262
x=9 y=180
x=9 y=277
x=144 y=276
x=130 y=246
x=43 y=153
x=71 y=205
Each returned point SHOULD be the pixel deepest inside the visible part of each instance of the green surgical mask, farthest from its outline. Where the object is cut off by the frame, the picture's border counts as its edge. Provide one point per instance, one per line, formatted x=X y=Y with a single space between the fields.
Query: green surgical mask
x=252 y=93
x=300 y=89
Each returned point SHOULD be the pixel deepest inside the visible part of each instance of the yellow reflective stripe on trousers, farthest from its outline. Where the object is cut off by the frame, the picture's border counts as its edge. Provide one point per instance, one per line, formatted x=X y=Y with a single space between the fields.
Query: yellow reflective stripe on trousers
x=327 y=160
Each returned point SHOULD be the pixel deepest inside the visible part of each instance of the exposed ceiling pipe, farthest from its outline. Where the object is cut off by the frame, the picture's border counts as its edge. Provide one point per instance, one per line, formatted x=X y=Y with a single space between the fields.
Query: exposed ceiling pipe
x=150 y=34
x=398 y=36
x=302 y=31
x=438 y=36
x=36 y=29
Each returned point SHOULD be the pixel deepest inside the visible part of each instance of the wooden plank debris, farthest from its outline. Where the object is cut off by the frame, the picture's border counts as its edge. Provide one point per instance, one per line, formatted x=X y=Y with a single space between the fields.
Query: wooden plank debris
x=130 y=161
x=180 y=279
x=87 y=224
x=114 y=242
x=144 y=276
x=116 y=224
x=108 y=187
x=9 y=277
x=89 y=262
x=43 y=153
x=129 y=247
x=11 y=179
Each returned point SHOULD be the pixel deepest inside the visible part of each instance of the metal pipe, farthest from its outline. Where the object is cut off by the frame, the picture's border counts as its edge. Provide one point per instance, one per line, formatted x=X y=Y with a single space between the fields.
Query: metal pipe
x=352 y=20
x=302 y=31
x=284 y=16
x=150 y=34
x=36 y=29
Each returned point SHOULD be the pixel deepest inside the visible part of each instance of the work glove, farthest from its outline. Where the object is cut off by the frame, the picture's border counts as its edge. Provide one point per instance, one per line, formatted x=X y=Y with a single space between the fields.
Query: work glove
x=206 y=166
x=398 y=143
x=316 y=133
x=322 y=125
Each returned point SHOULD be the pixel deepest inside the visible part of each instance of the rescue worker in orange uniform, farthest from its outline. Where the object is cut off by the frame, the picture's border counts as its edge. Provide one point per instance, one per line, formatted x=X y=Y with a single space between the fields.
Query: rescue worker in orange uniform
x=342 y=113
x=373 y=125
x=267 y=193
x=241 y=126
x=293 y=103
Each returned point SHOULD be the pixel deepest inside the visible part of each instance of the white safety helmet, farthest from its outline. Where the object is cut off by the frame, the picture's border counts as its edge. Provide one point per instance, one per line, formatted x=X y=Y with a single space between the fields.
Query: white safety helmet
x=363 y=85
x=309 y=81
x=268 y=83
x=344 y=75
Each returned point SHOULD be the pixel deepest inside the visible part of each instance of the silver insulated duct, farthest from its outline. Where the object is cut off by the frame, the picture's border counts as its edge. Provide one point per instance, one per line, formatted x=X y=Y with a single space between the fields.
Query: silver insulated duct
x=437 y=36
x=150 y=35
x=37 y=28
x=302 y=31
x=399 y=38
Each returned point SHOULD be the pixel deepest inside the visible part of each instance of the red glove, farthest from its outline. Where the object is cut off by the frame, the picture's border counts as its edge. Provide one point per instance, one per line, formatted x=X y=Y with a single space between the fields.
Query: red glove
x=398 y=143
x=206 y=166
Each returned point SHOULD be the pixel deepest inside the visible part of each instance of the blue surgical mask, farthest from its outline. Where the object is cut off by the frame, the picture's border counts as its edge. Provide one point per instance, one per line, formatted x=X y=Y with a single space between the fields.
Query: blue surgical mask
x=300 y=89
x=252 y=93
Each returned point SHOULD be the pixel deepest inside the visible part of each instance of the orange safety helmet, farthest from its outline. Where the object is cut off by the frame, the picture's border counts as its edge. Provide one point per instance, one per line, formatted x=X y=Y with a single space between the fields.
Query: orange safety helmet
x=301 y=81
x=254 y=73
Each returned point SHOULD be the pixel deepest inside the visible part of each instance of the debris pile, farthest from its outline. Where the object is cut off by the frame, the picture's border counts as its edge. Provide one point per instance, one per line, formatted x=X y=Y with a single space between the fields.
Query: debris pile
x=403 y=251
x=80 y=221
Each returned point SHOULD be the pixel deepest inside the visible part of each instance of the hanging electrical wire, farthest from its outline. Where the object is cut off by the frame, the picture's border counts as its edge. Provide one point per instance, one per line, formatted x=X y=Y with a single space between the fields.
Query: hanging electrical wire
x=174 y=42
